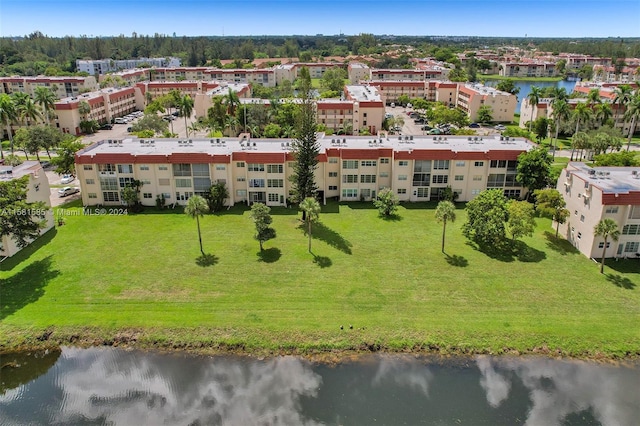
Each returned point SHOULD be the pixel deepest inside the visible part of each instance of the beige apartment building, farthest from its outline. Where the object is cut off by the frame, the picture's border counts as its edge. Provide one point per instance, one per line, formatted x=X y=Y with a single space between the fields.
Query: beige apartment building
x=203 y=100
x=257 y=170
x=527 y=69
x=472 y=96
x=391 y=90
x=596 y=193
x=37 y=190
x=62 y=87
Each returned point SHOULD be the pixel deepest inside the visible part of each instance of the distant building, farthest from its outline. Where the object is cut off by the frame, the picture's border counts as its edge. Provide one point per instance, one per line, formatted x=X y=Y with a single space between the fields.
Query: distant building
x=37 y=190
x=596 y=193
x=472 y=96
x=62 y=87
x=103 y=66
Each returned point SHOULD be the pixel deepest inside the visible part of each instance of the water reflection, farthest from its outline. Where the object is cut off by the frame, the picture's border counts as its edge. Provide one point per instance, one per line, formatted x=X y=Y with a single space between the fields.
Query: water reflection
x=110 y=386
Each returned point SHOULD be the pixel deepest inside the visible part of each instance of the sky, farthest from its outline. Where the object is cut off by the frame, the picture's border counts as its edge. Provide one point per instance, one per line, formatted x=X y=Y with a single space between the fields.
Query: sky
x=519 y=18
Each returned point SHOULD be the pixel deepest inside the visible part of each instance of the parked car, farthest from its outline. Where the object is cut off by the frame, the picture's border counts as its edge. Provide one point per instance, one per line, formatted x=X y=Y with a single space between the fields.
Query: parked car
x=106 y=126
x=67 y=179
x=474 y=126
x=67 y=190
x=419 y=121
x=426 y=127
x=434 y=132
x=46 y=165
x=500 y=127
x=129 y=129
x=119 y=120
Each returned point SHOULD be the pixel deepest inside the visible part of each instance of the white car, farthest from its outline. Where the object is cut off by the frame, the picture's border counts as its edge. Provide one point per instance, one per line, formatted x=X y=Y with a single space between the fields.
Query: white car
x=67 y=190
x=67 y=179
x=500 y=127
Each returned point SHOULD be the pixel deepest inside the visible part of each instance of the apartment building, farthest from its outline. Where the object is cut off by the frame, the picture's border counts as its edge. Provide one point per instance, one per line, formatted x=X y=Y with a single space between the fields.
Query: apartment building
x=609 y=74
x=472 y=96
x=421 y=74
x=391 y=90
x=62 y=87
x=130 y=77
x=596 y=193
x=442 y=91
x=357 y=72
x=265 y=77
x=203 y=99
x=576 y=61
x=257 y=170
x=37 y=190
x=103 y=66
x=368 y=107
x=104 y=105
x=290 y=71
x=530 y=68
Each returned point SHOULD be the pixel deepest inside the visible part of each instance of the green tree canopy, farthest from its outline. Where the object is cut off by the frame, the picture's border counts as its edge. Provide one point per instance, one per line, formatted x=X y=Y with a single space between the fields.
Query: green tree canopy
x=386 y=202
x=486 y=217
x=550 y=203
x=445 y=212
x=15 y=221
x=260 y=214
x=66 y=155
x=534 y=168
x=606 y=228
x=521 y=222
x=196 y=208
x=311 y=208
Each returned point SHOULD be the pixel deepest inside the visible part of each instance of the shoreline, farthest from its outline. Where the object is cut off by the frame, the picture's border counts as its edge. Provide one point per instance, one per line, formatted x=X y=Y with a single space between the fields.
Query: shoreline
x=322 y=351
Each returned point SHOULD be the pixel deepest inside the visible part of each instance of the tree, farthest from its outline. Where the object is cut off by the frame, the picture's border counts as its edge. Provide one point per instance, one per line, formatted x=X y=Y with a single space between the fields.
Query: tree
x=485 y=114
x=508 y=86
x=131 y=194
x=533 y=97
x=520 y=222
x=262 y=219
x=23 y=142
x=386 y=202
x=603 y=112
x=216 y=196
x=196 y=207
x=622 y=97
x=581 y=113
x=22 y=227
x=84 y=109
x=541 y=128
x=549 y=203
x=311 y=208
x=486 y=217
x=66 y=158
x=46 y=99
x=607 y=228
x=232 y=101
x=534 y=168
x=333 y=79
x=305 y=148
x=593 y=97
x=632 y=113
x=560 y=113
x=150 y=122
x=617 y=159
x=445 y=212
x=272 y=130
x=8 y=115
x=185 y=106
x=579 y=142
x=403 y=100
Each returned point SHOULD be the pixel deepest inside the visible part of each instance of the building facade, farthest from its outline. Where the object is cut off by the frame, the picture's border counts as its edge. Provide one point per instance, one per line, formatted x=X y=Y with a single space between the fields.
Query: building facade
x=596 y=193
x=62 y=87
x=350 y=168
x=103 y=66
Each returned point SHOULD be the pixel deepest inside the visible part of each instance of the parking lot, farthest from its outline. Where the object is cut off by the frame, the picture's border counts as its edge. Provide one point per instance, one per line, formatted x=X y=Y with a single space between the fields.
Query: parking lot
x=411 y=128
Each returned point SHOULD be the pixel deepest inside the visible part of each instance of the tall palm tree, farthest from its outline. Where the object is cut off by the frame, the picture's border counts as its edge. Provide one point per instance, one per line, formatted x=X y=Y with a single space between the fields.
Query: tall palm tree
x=46 y=99
x=559 y=93
x=593 y=97
x=186 y=108
x=196 y=207
x=606 y=228
x=622 y=96
x=581 y=113
x=8 y=115
x=632 y=113
x=29 y=110
x=603 y=112
x=233 y=101
x=533 y=98
x=446 y=211
x=311 y=208
x=579 y=142
x=560 y=113
x=84 y=109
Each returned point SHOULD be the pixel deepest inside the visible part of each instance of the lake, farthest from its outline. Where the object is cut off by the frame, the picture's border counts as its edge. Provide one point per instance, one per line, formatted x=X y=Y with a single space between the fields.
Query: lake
x=113 y=386
x=525 y=87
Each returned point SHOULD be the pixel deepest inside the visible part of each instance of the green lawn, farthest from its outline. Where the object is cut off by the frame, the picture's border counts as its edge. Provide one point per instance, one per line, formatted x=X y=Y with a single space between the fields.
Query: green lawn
x=102 y=279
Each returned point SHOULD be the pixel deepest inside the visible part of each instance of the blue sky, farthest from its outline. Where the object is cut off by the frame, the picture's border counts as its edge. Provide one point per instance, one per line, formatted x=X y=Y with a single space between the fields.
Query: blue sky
x=534 y=18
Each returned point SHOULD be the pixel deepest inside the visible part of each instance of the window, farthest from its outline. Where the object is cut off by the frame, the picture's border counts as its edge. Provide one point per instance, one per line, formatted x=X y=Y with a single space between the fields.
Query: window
x=275 y=168
x=106 y=168
x=349 y=193
x=601 y=244
x=163 y=182
x=350 y=164
x=147 y=195
x=333 y=160
x=349 y=178
x=163 y=168
x=368 y=163
x=631 y=230
x=401 y=191
x=202 y=170
x=256 y=183
x=125 y=182
x=579 y=235
x=634 y=212
x=183 y=183
x=422 y=166
x=367 y=178
x=495 y=181
x=110 y=196
x=479 y=164
x=475 y=191
x=501 y=164
x=384 y=161
x=291 y=164
x=477 y=178
x=459 y=177
x=440 y=179
x=221 y=167
x=402 y=177
x=384 y=174
x=440 y=164
x=459 y=163
x=93 y=195
x=240 y=164
x=333 y=174
x=632 y=247
x=423 y=193
x=241 y=192
x=510 y=180
x=512 y=193
x=333 y=188
x=241 y=179
x=275 y=183
x=90 y=181
x=181 y=169
x=125 y=168
x=256 y=167
x=109 y=184
x=144 y=167
x=611 y=210
x=87 y=167
x=201 y=184
x=403 y=163
x=273 y=198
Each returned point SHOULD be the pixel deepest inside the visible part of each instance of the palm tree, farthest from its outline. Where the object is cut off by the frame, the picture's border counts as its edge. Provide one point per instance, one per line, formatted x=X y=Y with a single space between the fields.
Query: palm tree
x=603 y=112
x=446 y=211
x=46 y=99
x=311 y=208
x=593 y=97
x=632 y=113
x=232 y=102
x=560 y=113
x=186 y=108
x=84 y=109
x=580 y=113
x=606 y=228
x=559 y=93
x=25 y=107
x=230 y=122
x=579 y=142
x=622 y=96
x=197 y=207
x=8 y=115
x=534 y=98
